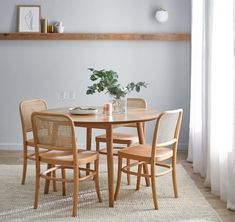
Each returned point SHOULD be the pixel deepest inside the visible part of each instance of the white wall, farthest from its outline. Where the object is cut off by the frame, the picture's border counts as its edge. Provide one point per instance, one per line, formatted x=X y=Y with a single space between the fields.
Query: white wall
x=32 y=69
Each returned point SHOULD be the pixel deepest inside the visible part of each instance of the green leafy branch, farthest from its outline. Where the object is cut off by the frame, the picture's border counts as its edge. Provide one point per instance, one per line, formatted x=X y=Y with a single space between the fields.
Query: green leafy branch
x=108 y=81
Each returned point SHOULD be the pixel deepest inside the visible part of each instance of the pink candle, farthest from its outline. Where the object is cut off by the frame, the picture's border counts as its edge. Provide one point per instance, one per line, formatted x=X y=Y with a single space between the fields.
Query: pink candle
x=107 y=108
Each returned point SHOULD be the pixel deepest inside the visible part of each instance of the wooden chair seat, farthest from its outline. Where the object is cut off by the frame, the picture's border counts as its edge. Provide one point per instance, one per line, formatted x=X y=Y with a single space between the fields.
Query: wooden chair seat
x=66 y=157
x=115 y=151
x=144 y=153
x=119 y=138
x=30 y=144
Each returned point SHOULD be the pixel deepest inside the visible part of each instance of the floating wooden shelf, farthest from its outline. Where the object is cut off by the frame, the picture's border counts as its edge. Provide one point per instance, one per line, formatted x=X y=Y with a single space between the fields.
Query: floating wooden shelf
x=96 y=36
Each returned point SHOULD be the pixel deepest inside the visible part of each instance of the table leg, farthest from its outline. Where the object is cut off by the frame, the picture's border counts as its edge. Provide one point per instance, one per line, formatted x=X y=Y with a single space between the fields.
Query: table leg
x=140 y=130
x=109 y=137
x=88 y=146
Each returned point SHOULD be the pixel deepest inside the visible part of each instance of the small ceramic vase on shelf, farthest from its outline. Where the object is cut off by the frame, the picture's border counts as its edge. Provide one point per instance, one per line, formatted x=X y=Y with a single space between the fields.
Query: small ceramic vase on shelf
x=59 y=27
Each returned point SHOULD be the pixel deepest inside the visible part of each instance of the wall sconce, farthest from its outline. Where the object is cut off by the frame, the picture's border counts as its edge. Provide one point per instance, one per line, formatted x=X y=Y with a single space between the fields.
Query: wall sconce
x=161 y=15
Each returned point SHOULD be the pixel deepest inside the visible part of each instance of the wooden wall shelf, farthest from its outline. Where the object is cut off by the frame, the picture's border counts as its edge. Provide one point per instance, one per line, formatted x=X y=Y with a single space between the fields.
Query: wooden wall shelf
x=96 y=36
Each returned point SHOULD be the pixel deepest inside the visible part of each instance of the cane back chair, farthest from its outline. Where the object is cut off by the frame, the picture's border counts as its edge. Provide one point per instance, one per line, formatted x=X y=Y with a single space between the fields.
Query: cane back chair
x=55 y=132
x=163 y=147
x=26 y=108
x=123 y=138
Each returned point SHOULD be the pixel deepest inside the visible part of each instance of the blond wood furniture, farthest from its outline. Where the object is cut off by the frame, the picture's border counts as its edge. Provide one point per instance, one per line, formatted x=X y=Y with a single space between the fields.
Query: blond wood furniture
x=164 y=146
x=55 y=132
x=123 y=138
x=26 y=108
x=96 y=36
x=101 y=121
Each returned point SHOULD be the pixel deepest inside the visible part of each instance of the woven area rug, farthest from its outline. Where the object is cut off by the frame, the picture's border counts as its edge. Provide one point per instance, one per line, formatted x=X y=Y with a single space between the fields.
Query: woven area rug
x=17 y=201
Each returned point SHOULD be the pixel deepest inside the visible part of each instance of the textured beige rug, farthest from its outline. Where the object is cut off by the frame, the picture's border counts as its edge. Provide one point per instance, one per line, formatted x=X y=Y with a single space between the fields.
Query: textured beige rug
x=16 y=201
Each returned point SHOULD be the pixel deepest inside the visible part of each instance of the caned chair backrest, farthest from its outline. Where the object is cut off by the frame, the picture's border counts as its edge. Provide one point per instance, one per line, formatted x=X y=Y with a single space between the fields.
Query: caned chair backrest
x=27 y=107
x=53 y=131
x=136 y=103
x=167 y=130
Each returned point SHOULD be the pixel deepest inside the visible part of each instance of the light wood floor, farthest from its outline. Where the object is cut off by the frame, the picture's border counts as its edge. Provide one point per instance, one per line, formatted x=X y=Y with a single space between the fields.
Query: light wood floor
x=15 y=157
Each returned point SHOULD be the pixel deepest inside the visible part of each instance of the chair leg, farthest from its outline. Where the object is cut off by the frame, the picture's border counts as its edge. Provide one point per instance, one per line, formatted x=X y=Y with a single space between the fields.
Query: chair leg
x=128 y=175
x=54 y=181
x=24 y=165
x=37 y=186
x=128 y=163
x=47 y=182
x=97 y=150
x=174 y=182
x=118 y=177
x=154 y=191
x=97 y=146
x=139 y=176
x=96 y=178
x=79 y=173
x=63 y=174
x=146 y=171
x=75 y=191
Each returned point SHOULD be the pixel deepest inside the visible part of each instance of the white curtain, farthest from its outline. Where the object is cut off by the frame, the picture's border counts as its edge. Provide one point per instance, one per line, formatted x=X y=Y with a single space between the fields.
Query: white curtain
x=212 y=106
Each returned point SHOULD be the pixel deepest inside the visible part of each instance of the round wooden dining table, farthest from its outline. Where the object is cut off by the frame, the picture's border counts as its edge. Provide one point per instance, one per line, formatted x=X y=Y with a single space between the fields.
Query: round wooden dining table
x=108 y=122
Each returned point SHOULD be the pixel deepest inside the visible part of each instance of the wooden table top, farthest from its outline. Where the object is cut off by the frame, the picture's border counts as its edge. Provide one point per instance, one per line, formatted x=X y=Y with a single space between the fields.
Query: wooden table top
x=131 y=116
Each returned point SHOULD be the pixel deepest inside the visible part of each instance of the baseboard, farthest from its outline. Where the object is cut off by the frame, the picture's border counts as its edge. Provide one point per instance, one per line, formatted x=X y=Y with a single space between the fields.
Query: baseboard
x=11 y=146
x=183 y=146
x=18 y=146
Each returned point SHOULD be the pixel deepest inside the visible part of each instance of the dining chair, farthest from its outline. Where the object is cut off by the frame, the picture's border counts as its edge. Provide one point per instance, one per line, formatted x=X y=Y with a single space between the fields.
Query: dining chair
x=163 y=147
x=55 y=132
x=123 y=138
x=26 y=108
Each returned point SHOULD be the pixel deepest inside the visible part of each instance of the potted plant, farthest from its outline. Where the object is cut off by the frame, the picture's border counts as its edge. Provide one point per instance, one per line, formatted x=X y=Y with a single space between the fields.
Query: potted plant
x=107 y=81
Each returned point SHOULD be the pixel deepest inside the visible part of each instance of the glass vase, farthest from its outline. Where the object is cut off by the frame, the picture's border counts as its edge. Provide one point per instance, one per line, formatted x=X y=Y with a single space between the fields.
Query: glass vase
x=119 y=105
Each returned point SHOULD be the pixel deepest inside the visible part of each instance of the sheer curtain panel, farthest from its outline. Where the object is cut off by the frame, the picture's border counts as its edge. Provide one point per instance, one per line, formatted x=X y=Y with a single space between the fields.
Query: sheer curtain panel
x=212 y=117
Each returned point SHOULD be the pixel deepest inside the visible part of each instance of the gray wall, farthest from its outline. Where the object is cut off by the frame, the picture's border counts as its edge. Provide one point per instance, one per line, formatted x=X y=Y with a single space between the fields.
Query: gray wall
x=32 y=69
